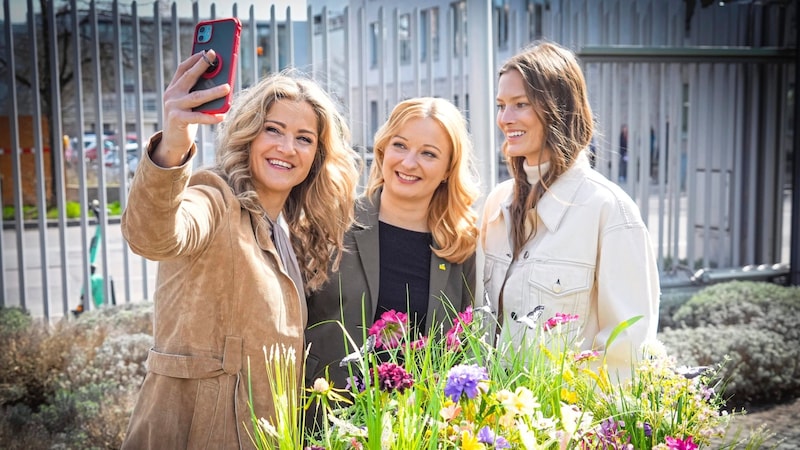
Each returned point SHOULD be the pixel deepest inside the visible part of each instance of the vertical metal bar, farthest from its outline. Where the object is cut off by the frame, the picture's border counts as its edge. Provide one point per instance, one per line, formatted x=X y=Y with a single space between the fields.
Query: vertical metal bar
x=39 y=159
x=429 y=54
x=326 y=51
x=310 y=37
x=58 y=153
x=158 y=67
x=447 y=54
x=273 y=31
x=794 y=246
x=290 y=36
x=362 y=79
x=660 y=130
x=397 y=54
x=348 y=70
x=737 y=214
x=481 y=86
x=382 y=107
x=772 y=217
x=237 y=85
x=704 y=151
x=414 y=28
x=176 y=45
x=122 y=135
x=254 y=70
x=674 y=151
x=81 y=161
x=101 y=158
x=16 y=162
x=691 y=152
x=752 y=165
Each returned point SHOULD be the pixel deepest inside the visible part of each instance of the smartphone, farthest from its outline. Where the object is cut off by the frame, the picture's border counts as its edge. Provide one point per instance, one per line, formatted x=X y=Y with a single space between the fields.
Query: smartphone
x=221 y=35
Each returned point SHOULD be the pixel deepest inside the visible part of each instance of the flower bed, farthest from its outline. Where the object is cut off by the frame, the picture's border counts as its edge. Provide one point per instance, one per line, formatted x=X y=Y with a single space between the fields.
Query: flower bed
x=458 y=390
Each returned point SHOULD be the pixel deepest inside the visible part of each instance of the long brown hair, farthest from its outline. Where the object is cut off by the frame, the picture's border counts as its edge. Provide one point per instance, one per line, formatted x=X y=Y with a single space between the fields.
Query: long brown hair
x=555 y=86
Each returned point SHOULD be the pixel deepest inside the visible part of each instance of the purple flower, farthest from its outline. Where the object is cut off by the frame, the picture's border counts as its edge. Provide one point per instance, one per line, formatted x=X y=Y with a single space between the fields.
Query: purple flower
x=390 y=329
x=355 y=383
x=487 y=436
x=613 y=433
x=393 y=377
x=464 y=379
x=648 y=429
x=680 y=444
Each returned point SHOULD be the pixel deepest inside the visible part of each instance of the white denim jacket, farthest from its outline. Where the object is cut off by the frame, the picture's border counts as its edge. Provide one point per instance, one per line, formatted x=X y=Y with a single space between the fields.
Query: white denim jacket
x=591 y=256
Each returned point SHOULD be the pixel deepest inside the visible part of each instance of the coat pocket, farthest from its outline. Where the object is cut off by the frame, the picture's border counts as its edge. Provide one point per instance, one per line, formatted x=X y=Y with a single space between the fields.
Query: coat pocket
x=562 y=287
x=205 y=413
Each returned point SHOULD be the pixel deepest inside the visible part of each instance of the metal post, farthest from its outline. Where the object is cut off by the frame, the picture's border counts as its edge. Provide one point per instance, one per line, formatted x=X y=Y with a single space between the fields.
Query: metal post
x=794 y=252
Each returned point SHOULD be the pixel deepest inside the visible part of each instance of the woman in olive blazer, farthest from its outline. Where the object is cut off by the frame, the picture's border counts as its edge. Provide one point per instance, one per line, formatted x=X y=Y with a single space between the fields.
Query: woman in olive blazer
x=422 y=186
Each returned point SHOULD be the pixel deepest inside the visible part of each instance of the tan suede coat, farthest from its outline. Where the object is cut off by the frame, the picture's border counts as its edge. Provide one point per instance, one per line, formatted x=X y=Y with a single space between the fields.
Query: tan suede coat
x=221 y=297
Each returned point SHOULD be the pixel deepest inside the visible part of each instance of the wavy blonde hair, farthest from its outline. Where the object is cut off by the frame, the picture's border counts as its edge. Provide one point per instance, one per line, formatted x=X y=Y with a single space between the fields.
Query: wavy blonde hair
x=450 y=215
x=555 y=86
x=320 y=209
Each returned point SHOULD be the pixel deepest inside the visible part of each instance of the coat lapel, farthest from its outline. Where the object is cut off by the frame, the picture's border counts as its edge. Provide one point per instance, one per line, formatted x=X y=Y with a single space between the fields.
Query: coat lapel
x=438 y=307
x=366 y=238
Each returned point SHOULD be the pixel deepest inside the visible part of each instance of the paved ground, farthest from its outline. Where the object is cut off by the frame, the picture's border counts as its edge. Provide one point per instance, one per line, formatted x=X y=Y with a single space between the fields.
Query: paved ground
x=782 y=420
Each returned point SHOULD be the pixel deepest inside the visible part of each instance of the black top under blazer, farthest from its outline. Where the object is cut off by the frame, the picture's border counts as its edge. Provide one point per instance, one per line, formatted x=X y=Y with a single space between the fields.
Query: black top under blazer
x=359 y=275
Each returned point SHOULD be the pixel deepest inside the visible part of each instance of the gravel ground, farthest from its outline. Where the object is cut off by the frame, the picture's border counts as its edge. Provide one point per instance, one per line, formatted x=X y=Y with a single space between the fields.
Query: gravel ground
x=782 y=421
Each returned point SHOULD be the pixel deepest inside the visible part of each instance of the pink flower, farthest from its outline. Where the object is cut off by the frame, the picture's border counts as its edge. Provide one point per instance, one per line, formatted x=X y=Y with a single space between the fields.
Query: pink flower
x=680 y=444
x=393 y=377
x=453 y=336
x=558 y=319
x=586 y=355
x=389 y=329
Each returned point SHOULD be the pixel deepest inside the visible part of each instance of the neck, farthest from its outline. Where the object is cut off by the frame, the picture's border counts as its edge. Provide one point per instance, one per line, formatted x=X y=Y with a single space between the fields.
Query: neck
x=272 y=206
x=409 y=215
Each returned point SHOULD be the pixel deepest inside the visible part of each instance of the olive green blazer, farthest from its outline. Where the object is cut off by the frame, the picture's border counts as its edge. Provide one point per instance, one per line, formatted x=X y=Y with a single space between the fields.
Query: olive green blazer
x=355 y=288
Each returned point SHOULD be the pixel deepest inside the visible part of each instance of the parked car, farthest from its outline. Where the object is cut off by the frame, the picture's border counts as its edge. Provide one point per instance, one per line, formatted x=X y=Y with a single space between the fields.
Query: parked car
x=90 y=148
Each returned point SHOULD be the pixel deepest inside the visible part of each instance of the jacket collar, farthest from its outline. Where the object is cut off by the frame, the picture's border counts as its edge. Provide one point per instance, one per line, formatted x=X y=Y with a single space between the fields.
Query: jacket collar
x=562 y=194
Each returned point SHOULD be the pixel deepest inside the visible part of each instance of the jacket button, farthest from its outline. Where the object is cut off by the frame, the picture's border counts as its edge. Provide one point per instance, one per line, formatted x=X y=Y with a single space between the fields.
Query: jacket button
x=557 y=287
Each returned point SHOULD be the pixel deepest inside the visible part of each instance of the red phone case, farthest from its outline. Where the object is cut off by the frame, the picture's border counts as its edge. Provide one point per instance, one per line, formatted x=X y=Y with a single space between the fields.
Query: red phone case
x=221 y=35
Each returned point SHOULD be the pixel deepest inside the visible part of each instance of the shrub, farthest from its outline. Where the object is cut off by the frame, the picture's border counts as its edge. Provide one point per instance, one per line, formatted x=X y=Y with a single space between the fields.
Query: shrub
x=14 y=320
x=756 y=325
x=72 y=384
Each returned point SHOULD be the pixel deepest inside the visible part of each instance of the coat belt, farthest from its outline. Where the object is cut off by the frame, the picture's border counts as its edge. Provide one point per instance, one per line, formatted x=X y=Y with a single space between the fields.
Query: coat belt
x=196 y=367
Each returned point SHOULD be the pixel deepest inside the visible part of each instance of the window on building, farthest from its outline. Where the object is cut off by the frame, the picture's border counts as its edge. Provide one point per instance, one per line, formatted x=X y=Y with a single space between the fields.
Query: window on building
x=501 y=14
x=429 y=28
x=459 y=15
x=535 y=13
x=404 y=36
x=374 y=41
x=373 y=117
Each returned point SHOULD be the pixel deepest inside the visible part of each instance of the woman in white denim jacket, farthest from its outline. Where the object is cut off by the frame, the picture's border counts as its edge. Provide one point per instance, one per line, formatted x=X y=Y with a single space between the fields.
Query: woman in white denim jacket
x=559 y=234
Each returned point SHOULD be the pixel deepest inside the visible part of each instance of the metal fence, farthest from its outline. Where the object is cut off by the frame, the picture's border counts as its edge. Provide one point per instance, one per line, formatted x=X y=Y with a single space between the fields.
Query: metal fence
x=706 y=97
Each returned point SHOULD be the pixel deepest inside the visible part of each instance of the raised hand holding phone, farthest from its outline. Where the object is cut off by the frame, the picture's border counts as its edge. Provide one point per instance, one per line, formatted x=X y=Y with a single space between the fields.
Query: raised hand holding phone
x=222 y=36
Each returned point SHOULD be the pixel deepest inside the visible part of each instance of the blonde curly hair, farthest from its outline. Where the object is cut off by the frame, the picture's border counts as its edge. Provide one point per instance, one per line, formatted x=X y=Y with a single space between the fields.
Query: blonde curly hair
x=450 y=215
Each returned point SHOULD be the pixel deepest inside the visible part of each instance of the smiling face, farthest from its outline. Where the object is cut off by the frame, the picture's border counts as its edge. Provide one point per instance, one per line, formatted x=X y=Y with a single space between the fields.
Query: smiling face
x=517 y=119
x=416 y=161
x=281 y=155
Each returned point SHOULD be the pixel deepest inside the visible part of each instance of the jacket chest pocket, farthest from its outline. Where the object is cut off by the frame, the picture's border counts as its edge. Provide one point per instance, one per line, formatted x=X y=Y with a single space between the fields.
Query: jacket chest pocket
x=561 y=287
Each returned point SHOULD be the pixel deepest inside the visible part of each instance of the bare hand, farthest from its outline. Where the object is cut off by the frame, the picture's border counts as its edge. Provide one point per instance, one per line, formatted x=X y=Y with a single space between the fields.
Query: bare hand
x=180 y=122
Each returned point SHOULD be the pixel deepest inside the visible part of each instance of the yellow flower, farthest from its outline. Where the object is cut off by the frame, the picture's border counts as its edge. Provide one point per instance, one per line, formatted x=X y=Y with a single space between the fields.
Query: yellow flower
x=470 y=442
x=570 y=397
